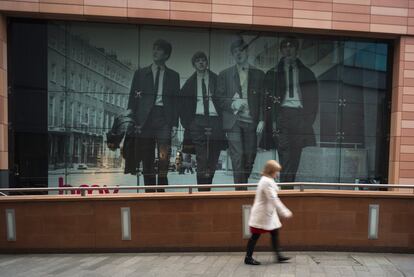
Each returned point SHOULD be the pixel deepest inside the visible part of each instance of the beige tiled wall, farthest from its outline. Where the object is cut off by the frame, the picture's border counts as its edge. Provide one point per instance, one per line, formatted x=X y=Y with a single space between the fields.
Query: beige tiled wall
x=402 y=116
x=378 y=16
x=390 y=17
x=383 y=16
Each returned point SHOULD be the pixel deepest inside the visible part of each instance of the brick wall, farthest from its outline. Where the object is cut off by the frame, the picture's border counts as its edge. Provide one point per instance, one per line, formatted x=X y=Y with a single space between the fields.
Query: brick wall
x=205 y=221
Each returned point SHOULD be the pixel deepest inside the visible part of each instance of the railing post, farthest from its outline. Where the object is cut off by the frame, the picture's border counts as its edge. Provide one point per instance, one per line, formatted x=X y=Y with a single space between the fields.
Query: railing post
x=302 y=187
x=83 y=192
x=190 y=190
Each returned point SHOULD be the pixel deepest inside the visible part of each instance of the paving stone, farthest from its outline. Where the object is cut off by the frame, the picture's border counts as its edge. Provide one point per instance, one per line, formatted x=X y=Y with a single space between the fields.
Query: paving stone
x=318 y=275
x=216 y=266
x=301 y=259
x=207 y=265
x=231 y=266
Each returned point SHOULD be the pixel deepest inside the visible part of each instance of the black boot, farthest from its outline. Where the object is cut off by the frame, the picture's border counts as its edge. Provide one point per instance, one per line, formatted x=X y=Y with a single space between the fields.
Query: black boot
x=282 y=259
x=251 y=261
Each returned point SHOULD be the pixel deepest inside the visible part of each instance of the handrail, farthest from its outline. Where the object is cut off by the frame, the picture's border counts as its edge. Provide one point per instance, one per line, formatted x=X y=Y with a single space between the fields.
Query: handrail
x=190 y=188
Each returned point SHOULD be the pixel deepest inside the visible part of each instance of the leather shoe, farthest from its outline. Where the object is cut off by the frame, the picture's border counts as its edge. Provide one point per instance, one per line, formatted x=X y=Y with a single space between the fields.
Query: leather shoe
x=251 y=261
x=282 y=259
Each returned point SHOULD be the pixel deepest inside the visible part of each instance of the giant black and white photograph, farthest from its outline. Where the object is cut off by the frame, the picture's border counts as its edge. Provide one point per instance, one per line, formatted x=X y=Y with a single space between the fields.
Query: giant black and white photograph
x=153 y=105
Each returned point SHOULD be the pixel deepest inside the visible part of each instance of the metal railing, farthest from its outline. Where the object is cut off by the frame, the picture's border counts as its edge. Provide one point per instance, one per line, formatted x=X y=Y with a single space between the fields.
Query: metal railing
x=296 y=185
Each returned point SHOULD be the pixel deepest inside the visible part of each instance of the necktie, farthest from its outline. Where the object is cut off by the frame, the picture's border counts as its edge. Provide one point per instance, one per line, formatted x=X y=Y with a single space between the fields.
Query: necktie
x=205 y=97
x=157 y=80
x=290 y=81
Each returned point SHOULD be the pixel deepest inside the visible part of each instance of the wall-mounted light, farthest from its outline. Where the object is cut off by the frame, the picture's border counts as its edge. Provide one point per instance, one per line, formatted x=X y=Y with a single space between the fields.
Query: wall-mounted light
x=245 y=221
x=126 y=223
x=373 y=218
x=10 y=225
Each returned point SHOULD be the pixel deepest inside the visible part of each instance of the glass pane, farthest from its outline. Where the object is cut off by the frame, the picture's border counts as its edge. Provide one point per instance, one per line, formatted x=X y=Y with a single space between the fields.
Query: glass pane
x=241 y=60
x=167 y=88
x=364 y=127
x=56 y=56
x=81 y=114
x=314 y=135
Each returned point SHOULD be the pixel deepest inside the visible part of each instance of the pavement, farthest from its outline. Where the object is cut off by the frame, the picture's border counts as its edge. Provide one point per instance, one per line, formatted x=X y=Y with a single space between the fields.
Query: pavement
x=207 y=264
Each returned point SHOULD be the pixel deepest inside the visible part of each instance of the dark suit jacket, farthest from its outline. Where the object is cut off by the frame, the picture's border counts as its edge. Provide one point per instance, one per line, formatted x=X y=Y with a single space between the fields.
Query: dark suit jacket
x=188 y=98
x=228 y=84
x=142 y=95
x=275 y=89
x=188 y=105
x=141 y=101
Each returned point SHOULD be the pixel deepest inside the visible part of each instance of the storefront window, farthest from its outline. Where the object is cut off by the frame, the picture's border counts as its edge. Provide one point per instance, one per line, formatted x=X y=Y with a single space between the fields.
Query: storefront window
x=169 y=105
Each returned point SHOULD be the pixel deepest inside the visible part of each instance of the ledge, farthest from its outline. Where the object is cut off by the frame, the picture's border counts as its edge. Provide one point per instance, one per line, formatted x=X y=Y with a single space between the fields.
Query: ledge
x=204 y=195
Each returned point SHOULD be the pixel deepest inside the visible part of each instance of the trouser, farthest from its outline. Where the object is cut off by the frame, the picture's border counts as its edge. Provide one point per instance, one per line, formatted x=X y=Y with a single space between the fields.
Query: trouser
x=156 y=133
x=242 y=141
x=291 y=141
x=255 y=237
x=207 y=147
x=189 y=169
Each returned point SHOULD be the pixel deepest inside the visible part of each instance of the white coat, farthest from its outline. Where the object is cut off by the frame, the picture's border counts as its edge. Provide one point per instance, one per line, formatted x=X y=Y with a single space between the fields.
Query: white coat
x=267 y=206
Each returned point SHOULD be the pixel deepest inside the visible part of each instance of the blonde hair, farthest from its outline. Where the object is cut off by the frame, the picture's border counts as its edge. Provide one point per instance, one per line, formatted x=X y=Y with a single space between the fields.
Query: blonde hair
x=270 y=168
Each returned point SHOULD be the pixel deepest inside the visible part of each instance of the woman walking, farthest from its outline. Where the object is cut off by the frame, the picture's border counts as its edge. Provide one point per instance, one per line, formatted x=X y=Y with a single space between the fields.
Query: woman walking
x=264 y=216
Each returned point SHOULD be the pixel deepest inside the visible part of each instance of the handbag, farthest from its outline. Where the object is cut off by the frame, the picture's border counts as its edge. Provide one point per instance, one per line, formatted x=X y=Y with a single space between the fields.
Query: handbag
x=119 y=128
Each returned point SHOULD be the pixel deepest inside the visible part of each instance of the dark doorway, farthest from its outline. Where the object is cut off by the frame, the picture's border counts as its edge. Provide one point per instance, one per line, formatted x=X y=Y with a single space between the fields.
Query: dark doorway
x=27 y=78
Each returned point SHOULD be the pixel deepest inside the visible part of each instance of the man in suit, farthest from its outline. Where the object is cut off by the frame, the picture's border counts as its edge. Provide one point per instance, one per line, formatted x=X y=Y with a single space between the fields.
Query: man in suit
x=153 y=104
x=201 y=117
x=294 y=89
x=239 y=93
